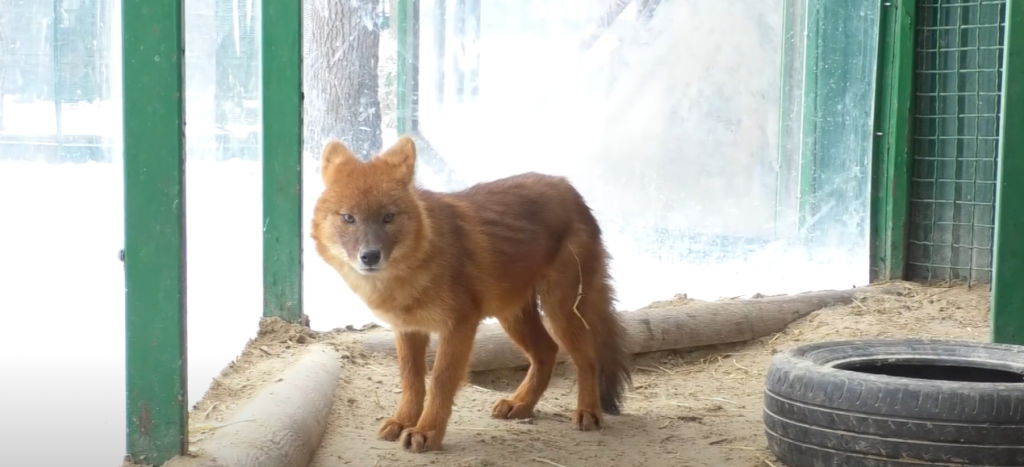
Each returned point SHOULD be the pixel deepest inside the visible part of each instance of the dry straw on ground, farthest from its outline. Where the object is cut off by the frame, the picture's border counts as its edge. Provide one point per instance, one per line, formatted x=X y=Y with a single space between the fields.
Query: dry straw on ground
x=698 y=407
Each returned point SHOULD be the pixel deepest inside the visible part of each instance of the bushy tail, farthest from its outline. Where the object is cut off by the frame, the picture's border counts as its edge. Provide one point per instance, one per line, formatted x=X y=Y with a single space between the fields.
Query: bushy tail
x=612 y=355
x=579 y=302
x=584 y=320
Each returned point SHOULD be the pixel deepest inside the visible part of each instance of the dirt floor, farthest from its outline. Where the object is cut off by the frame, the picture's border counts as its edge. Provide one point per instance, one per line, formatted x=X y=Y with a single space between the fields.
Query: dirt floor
x=700 y=407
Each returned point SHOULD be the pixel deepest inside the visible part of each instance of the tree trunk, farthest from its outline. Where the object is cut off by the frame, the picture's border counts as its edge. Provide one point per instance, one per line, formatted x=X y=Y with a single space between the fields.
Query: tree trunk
x=341 y=77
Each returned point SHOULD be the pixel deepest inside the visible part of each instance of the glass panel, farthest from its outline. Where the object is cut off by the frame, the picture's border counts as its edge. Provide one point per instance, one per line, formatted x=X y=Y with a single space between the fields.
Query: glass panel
x=223 y=184
x=724 y=146
x=61 y=206
x=670 y=126
x=61 y=186
x=345 y=98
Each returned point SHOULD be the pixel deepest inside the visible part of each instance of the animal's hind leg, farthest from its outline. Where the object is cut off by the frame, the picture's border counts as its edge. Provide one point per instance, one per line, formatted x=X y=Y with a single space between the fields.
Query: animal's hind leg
x=527 y=331
x=558 y=296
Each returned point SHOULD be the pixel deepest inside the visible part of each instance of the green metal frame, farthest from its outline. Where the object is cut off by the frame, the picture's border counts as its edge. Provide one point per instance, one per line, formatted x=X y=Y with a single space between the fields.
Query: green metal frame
x=822 y=47
x=808 y=130
x=408 y=95
x=408 y=66
x=1008 y=262
x=154 y=176
x=281 y=34
x=154 y=230
x=890 y=161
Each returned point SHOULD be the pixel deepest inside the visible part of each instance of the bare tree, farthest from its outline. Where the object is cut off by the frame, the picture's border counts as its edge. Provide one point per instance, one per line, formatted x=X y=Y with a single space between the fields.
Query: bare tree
x=341 y=83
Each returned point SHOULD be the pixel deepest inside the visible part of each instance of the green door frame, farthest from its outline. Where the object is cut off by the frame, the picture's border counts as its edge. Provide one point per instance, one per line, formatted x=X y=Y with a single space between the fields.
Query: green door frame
x=1008 y=255
x=890 y=160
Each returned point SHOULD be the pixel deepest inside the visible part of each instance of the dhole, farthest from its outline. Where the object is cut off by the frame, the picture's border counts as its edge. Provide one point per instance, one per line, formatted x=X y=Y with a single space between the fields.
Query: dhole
x=427 y=262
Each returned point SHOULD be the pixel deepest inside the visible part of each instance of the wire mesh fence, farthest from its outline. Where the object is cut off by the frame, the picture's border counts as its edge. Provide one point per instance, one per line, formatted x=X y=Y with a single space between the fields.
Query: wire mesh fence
x=955 y=140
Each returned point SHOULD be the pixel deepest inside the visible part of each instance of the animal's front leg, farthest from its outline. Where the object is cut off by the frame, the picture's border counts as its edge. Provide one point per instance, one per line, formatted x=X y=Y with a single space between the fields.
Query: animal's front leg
x=450 y=365
x=411 y=348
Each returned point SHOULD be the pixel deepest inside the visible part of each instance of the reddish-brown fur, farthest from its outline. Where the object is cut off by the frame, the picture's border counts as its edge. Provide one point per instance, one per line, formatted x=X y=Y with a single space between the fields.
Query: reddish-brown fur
x=448 y=260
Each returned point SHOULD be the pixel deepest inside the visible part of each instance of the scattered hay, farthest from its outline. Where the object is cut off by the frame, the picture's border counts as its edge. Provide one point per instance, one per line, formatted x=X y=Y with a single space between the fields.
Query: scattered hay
x=694 y=407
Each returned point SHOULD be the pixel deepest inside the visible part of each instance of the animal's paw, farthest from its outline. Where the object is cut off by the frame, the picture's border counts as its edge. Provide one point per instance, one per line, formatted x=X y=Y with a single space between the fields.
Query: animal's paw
x=511 y=410
x=586 y=420
x=417 y=440
x=390 y=429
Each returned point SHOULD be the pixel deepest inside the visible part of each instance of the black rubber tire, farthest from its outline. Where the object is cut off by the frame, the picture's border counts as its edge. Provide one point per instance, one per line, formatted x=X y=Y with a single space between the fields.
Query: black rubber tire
x=817 y=414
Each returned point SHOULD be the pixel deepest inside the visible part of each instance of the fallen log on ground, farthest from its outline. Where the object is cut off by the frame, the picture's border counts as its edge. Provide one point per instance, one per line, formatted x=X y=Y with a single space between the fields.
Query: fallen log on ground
x=282 y=425
x=656 y=329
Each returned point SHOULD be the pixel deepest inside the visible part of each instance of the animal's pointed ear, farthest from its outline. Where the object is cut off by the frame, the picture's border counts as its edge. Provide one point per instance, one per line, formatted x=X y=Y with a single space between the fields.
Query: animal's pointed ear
x=334 y=155
x=401 y=157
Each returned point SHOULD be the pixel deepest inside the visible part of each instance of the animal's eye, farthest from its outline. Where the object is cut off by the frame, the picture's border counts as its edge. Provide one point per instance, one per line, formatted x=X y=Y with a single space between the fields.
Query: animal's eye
x=389 y=217
x=348 y=218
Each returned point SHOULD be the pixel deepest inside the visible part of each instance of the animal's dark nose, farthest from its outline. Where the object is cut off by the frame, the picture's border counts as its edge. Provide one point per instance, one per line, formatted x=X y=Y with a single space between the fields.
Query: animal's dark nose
x=369 y=257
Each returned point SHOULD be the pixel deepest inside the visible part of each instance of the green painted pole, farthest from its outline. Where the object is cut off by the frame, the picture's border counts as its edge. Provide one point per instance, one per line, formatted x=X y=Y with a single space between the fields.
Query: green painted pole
x=1008 y=261
x=154 y=230
x=890 y=158
x=281 y=33
x=808 y=148
x=408 y=65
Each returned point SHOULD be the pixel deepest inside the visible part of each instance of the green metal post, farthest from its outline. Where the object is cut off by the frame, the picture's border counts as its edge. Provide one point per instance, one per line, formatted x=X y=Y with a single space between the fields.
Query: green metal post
x=808 y=128
x=838 y=91
x=1008 y=261
x=408 y=65
x=890 y=158
x=281 y=34
x=154 y=230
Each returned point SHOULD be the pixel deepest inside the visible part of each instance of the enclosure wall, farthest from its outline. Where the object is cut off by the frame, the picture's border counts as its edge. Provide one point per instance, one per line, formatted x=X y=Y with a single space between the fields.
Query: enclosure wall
x=956 y=114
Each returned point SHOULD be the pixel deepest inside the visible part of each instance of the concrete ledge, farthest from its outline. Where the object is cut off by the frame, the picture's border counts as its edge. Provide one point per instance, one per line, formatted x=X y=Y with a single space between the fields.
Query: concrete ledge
x=282 y=425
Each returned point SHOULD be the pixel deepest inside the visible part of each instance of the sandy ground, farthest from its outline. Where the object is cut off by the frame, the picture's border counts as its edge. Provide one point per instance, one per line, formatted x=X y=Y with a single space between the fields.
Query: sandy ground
x=700 y=407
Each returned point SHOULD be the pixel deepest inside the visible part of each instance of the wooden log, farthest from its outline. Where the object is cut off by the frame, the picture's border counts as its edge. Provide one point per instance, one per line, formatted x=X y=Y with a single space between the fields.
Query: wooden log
x=657 y=329
x=282 y=425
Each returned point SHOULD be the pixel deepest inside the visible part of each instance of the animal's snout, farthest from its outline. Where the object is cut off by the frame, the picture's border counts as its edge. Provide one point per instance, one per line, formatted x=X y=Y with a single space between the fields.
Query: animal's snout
x=369 y=257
